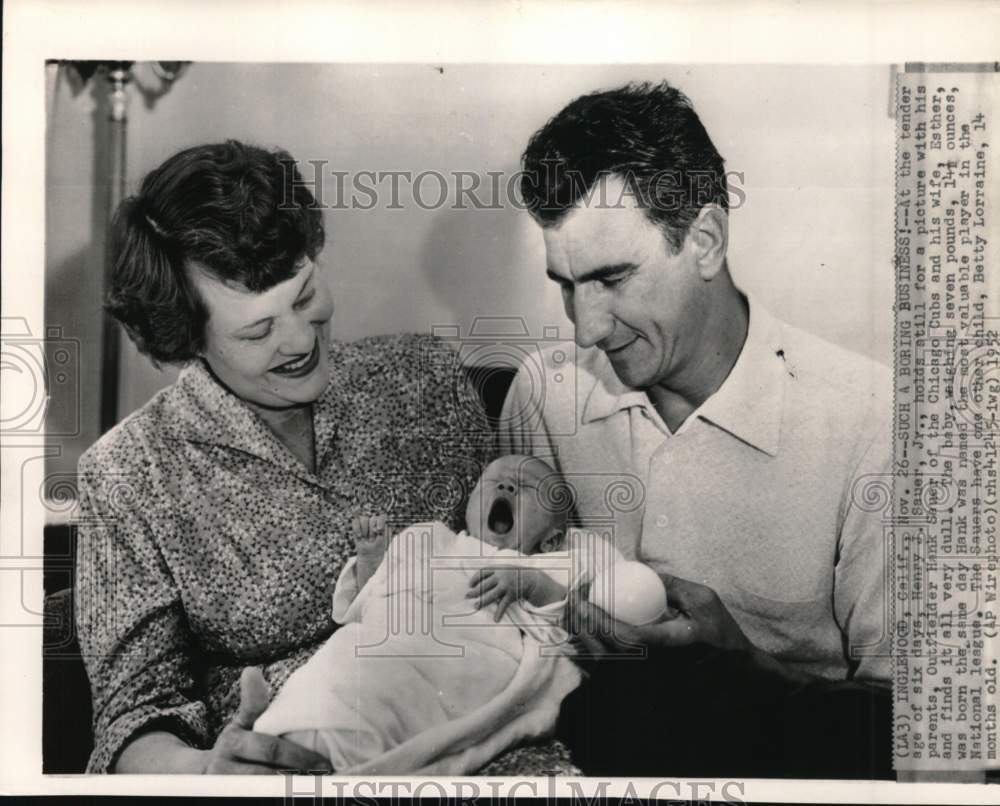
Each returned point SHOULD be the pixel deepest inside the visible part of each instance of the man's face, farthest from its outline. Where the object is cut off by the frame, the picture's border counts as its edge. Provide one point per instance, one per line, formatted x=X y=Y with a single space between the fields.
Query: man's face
x=623 y=290
x=506 y=507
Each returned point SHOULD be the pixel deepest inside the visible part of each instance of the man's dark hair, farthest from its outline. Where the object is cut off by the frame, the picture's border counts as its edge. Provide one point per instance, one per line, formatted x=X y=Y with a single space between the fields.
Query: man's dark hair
x=648 y=134
x=240 y=213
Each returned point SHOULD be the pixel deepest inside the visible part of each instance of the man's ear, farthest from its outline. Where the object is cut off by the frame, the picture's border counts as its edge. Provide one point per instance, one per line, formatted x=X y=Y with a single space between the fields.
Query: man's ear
x=708 y=238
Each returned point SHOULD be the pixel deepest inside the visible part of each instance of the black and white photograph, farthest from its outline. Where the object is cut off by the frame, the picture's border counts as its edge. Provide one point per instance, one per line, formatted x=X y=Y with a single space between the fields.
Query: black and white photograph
x=588 y=423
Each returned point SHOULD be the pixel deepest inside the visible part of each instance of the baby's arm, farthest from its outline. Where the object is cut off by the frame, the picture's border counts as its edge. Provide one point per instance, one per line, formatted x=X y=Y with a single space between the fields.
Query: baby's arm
x=542 y=588
x=506 y=584
x=370 y=541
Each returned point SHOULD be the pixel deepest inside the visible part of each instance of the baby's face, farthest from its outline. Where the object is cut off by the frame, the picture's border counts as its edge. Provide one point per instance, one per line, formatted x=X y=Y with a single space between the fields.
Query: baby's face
x=506 y=509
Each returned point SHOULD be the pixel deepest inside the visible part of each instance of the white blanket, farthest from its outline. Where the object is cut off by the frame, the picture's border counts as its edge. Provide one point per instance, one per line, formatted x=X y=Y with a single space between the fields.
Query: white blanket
x=419 y=681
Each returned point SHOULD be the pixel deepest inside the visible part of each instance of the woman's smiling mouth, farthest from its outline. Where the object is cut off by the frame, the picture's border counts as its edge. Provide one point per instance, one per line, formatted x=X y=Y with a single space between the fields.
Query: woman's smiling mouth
x=300 y=367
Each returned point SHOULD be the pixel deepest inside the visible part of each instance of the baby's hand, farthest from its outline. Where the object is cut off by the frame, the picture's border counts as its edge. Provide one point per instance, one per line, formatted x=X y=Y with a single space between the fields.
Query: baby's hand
x=369 y=534
x=370 y=541
x=502 y=584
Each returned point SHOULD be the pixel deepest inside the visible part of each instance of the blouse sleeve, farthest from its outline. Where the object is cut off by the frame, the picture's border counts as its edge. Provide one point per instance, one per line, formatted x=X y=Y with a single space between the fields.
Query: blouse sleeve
x=133 y=636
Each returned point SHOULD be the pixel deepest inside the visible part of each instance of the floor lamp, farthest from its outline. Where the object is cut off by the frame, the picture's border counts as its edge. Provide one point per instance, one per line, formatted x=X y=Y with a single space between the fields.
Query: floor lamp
x=117 y=77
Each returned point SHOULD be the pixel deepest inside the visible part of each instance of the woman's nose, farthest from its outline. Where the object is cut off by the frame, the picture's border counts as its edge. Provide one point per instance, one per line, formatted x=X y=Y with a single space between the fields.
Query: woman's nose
x=300 y=337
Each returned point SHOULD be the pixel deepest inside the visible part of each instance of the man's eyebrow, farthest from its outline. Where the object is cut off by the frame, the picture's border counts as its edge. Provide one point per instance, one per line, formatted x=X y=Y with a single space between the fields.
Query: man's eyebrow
x=298 y=296
x=600 y=273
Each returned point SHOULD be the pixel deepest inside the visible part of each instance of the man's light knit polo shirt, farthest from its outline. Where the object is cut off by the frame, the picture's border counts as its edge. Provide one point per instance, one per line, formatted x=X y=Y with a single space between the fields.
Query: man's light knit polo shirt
x=772 y=492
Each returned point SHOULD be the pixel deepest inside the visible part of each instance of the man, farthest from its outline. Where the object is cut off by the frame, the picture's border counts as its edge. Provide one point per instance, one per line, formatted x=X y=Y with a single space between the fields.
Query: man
x=748 y=442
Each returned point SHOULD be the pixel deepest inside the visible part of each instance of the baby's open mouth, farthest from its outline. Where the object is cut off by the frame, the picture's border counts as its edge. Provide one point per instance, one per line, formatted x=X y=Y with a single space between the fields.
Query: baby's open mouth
x=501 y=517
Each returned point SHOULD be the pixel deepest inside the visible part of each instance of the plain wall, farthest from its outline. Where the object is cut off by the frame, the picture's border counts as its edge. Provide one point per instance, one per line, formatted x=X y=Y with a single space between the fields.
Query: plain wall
x=812 y=240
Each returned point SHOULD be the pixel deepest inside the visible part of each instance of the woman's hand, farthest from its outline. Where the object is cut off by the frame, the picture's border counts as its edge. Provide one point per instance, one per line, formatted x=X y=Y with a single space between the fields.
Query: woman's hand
x=501 y=584
x=241 y=751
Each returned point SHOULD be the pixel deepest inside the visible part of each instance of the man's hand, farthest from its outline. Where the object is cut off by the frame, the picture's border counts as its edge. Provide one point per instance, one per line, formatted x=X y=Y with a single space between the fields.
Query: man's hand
x=695 y=614
x=700 y=617
x=239 y=750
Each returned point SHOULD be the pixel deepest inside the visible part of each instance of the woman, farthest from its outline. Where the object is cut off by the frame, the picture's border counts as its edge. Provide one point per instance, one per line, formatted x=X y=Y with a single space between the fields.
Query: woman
x=216 y=518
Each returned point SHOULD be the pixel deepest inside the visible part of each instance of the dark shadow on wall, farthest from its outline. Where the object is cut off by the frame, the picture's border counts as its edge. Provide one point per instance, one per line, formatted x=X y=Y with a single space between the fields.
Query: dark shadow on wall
x=481 y=262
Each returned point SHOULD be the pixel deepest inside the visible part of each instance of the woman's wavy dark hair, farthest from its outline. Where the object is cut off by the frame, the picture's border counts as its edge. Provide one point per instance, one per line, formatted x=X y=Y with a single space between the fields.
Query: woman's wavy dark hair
x=240 y=213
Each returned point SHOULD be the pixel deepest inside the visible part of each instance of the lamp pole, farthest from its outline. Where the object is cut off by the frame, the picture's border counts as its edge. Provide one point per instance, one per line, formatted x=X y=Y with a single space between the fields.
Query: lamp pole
x=110 y=157
x=119 y=74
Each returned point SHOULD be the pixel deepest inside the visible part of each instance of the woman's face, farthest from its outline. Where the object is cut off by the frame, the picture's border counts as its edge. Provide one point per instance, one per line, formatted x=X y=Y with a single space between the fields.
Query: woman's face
x=269 y=348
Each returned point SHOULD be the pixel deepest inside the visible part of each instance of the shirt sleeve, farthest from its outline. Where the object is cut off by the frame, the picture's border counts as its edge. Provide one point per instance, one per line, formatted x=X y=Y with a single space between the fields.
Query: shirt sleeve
x=349 y=598
x=592 y=553
x=860 y=577
x=132 y=633
x=345 y=591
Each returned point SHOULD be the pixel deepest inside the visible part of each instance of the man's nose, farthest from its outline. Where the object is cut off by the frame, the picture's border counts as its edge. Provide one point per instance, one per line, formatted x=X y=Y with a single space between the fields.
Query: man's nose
x=593 y=321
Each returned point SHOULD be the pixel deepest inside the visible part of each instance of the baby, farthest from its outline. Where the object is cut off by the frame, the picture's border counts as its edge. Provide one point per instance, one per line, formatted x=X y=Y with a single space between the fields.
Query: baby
x=450 y=650
x=514 y=507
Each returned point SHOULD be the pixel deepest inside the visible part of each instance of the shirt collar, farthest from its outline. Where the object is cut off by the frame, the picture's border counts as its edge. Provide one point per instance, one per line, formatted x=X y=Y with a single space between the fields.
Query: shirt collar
x=609 y=395
x=748 y=404
x=200 y=409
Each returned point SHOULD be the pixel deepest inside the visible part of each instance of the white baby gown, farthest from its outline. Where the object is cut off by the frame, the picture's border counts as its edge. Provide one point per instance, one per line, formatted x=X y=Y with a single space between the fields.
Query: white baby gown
x=417 y=680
